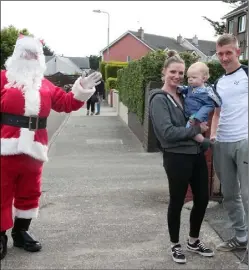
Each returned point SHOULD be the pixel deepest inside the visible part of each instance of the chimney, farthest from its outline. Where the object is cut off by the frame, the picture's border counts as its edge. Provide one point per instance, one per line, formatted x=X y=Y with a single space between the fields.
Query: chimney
x=141 y=33
x=195 y=40
x=179 y=39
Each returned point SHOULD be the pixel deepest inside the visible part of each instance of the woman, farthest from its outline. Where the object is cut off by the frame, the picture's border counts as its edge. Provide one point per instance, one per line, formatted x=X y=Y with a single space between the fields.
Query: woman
x=183 y=160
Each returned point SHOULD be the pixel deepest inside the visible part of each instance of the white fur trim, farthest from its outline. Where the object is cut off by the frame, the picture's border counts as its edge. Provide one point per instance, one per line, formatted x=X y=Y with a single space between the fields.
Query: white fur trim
x=80 y=93
x=31 y=213
x=32 y=101
x=23 y=145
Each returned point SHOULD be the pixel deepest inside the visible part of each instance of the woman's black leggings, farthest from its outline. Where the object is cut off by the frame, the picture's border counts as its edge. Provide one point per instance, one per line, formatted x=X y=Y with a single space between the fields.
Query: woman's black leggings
x=182 y=170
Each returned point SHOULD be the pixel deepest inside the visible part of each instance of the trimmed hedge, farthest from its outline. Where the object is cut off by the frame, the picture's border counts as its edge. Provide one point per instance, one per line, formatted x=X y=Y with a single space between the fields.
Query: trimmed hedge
x=111 y=83
x=109 y=69
x=132 y=79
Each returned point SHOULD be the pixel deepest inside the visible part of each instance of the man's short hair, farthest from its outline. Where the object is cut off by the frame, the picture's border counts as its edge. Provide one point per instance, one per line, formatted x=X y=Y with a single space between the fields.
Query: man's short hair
x=227 y=39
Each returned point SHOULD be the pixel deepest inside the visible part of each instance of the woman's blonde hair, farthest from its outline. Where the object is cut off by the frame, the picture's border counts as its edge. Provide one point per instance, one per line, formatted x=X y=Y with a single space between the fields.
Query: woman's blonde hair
x=172 y=57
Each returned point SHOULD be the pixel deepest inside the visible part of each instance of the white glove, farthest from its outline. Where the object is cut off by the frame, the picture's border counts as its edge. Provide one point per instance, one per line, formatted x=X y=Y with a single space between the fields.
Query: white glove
x=84 y=87
x=91 y=81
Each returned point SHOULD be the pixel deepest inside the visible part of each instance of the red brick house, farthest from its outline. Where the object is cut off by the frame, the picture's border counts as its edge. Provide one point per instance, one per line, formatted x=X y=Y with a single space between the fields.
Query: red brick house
x=134 y=45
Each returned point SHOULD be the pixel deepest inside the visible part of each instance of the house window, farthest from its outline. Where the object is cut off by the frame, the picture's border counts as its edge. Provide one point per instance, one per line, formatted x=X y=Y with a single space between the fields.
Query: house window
x=230 y=27
x=242 y=23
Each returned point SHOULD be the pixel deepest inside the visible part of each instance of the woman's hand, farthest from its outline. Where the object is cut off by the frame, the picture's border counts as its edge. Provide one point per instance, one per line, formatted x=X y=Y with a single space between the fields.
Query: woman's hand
x=204 y=127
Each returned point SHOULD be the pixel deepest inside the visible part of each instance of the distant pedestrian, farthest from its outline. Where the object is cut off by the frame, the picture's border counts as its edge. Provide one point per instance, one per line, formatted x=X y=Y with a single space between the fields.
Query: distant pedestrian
x=100 y=91
x=94 y=98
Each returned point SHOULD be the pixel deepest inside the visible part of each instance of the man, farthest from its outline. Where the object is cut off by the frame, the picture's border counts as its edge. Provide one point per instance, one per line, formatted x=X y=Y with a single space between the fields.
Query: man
x=229 y=131
x=100 y=91
x=26 y=101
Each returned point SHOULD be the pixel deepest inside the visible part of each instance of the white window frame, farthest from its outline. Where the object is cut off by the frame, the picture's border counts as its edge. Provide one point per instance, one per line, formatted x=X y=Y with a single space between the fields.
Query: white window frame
x=242 y=23
x=230 y=26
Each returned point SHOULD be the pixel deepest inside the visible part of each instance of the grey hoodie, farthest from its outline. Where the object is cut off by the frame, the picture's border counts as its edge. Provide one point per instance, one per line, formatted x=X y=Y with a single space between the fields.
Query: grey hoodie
x=169 y=124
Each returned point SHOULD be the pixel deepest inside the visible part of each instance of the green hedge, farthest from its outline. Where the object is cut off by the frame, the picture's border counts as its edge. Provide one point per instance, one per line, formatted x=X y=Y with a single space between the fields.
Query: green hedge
x=111 y=83
x=111 y=70
x=132 y=80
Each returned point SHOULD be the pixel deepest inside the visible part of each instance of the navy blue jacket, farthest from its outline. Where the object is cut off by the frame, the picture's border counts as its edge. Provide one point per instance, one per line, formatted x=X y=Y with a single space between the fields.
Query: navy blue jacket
x=199 y=101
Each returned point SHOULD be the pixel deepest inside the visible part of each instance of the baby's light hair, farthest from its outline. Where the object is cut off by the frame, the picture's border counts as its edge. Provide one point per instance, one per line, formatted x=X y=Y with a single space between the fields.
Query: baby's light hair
x=202 y=67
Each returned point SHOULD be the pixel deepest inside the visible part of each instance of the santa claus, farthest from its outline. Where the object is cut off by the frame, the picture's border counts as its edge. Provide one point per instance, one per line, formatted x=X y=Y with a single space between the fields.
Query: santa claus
x=26 y=101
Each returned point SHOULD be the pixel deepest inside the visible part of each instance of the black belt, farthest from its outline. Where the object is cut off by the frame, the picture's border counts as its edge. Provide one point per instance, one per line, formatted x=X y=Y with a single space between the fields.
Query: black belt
x=30 y=122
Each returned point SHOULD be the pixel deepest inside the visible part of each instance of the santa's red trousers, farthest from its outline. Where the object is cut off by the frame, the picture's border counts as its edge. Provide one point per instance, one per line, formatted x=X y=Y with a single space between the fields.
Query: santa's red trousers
x=21 y=184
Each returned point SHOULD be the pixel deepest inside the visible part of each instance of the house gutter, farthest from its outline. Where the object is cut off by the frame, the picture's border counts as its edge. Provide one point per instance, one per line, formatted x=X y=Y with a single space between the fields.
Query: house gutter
x=235 y=13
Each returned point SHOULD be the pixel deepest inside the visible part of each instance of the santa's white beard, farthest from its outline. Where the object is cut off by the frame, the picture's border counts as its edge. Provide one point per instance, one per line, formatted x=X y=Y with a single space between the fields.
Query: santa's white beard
x=25 y=74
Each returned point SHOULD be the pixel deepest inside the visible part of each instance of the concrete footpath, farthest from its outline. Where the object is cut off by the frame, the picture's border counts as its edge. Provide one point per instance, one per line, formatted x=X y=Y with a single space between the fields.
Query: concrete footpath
x=104 y=204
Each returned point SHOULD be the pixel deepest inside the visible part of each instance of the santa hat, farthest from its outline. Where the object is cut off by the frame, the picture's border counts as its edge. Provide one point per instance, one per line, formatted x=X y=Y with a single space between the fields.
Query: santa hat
x=28 y=47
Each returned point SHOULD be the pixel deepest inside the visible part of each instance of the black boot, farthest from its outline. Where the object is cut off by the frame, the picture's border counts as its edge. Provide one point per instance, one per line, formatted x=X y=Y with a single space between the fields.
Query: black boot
x=3 y=245
x=21 y=236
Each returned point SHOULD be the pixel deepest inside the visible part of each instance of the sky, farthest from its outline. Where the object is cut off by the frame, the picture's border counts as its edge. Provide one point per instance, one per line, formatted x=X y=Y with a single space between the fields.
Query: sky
x=71 y=28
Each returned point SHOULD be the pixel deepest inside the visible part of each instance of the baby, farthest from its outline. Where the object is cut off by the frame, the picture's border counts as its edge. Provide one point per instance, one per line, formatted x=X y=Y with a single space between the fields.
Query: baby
x=199 y=99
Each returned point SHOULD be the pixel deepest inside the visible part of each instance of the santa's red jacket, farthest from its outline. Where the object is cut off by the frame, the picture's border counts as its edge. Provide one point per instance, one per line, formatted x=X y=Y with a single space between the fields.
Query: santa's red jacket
x=15 y=140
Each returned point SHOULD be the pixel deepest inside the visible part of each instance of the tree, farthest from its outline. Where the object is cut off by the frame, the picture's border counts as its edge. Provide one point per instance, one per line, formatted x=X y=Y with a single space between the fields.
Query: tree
x=94 y=61
x=220 y=26
x=47 y=51
x=236 y=2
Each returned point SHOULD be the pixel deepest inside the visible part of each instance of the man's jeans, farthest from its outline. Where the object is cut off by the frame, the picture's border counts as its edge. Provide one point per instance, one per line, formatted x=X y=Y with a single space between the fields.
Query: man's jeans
x=231 y=167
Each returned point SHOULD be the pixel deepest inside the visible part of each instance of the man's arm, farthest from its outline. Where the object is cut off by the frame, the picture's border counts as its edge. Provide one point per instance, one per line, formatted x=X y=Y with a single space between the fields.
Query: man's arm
x=214 y=124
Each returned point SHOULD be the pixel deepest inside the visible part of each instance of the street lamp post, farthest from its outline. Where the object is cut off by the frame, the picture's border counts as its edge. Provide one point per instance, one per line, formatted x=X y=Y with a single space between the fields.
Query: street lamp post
x=108 y=31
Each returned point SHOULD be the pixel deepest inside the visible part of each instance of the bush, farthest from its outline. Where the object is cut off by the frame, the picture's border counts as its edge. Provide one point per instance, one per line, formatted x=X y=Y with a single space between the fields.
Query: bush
x=111 y=83
x=244 y=62
x=113 y=70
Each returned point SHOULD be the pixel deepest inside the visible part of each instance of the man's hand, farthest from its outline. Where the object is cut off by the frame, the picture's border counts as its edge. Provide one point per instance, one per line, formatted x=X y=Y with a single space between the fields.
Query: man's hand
x=91 y=81
x=213 y=138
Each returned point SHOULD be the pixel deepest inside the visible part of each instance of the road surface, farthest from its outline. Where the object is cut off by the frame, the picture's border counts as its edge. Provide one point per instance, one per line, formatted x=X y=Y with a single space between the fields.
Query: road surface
x=54 y=121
